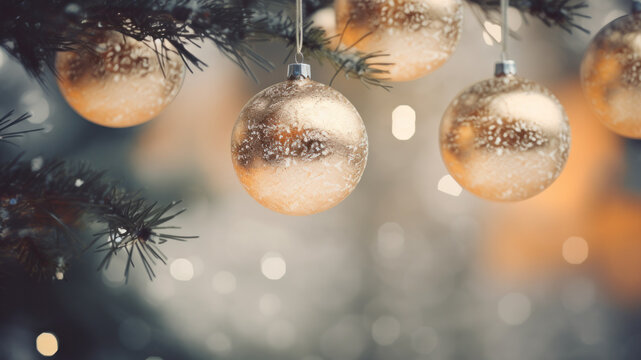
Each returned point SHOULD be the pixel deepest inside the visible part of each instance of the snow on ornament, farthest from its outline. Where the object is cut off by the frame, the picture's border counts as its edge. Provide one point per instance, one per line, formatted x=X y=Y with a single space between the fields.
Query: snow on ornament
x=299 y=147
x=505 y=138
x=417 y=35
x=117 y=81
x=611 y=74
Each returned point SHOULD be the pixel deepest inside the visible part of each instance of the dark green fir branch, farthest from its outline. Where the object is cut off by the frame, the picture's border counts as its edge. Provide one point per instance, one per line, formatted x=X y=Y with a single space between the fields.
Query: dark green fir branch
x=45 y=206
x=7 y=122
x=345 y=59
x=33 y=31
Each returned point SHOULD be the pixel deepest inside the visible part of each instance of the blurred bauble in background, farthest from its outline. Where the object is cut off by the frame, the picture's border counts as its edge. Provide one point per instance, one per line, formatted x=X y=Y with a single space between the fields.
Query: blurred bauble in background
x=418 y=35
x=611 y=75
x=299 y=147
x=505 y=138
x=117 y=81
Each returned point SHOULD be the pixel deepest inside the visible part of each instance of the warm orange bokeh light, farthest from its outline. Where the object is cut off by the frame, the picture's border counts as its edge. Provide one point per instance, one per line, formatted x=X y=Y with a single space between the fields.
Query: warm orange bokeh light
x=575 y=250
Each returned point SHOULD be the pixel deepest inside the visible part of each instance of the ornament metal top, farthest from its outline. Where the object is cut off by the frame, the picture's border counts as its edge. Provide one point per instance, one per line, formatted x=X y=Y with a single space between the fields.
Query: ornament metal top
x=505 y=68
x=299 y=147
x=505 y=138
x=611 y=74
x=298 y=71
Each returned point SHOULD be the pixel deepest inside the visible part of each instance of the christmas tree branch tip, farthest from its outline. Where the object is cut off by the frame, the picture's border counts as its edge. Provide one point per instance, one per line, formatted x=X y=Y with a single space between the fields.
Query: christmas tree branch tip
x=8 y=121
x=316 y=43
x=44 y=205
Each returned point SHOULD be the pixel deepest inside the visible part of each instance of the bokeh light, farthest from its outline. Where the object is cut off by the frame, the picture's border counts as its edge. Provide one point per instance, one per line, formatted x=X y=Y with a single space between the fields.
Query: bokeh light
x=36 y=101
x=326 y=19
x=47 y=344
x=273 y=266
x=182 y=269
x=575 y=250
x=515 y=19
x=514 y=308
x=36 y=163
x=449 y=186
x=403 y=122
x=492 y=33
x=386 y=330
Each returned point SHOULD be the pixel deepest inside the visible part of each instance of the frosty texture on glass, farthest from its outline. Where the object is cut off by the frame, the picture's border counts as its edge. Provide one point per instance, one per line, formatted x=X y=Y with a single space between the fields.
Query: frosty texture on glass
x=119 y=81
x=611 y=75
x=299 y=147
x=418 y=35
x=505 y=138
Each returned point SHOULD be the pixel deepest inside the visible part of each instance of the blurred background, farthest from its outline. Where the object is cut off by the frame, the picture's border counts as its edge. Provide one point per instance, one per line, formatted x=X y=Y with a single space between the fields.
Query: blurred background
x=407 y=267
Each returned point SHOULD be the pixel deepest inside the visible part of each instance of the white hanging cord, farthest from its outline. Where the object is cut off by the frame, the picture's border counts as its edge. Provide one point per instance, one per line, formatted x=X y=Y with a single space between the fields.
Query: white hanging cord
x=299 y=32
x=504 y=29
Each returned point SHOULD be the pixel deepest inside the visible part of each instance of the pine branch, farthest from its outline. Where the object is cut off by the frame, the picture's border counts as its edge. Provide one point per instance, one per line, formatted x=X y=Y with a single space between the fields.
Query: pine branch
x=7 y=122
x=43 y=204
x=561 y=13
x=33 y=31
x=41 y=208
x=353 y=64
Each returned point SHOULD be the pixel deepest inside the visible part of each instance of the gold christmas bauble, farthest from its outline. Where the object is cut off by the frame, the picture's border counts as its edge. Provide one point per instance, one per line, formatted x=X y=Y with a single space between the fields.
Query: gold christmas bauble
x=299 y=147
x=611 y=75
x=119 y=81
x=505 y=138
x=417 y=35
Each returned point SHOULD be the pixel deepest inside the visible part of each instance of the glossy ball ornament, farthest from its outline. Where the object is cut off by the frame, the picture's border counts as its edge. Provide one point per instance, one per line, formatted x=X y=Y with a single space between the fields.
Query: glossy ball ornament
x=611 y=75
x=505 y=138
x=418 y=35
x=119 y=81
x=299 y=147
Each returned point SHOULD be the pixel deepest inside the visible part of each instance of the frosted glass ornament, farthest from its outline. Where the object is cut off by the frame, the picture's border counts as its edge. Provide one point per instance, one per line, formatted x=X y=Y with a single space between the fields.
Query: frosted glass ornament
x=299 y=147
x=119 y=81
x=417 y=35
x=505 y=138
x=611 y=75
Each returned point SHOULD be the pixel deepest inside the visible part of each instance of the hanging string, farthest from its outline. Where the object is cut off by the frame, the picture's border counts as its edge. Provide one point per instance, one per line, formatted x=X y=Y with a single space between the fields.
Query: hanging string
x=299 y=32
x=504 y=29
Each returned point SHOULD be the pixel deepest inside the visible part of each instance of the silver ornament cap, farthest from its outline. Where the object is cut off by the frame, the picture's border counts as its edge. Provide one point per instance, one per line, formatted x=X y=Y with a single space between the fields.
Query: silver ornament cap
x=299 y=71
x=505 y=68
